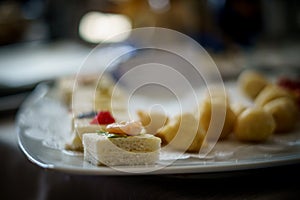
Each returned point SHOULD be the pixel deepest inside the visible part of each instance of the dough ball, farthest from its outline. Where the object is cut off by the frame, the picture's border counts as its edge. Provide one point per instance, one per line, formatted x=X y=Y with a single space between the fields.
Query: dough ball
x=198 y=141
x=219 y=106
x=238 y=108
x=251 y=83
x=285 y=113
x=254 y=125
x=270 y=93
x=182 y=133
x=152 y=121
x=217 y=92
x=168 y=132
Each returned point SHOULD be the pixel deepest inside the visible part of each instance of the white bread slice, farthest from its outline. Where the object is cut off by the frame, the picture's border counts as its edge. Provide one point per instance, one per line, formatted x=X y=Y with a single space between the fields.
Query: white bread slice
x=74 y=143
x=80 y=127
x=132 y=150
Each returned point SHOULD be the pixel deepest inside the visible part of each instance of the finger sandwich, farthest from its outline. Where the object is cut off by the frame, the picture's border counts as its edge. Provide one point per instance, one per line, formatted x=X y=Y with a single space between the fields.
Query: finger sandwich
x=115 y=149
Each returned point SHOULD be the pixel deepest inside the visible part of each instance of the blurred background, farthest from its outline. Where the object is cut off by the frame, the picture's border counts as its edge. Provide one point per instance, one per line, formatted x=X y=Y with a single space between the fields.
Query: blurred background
x=216 y=24
x=45 y=39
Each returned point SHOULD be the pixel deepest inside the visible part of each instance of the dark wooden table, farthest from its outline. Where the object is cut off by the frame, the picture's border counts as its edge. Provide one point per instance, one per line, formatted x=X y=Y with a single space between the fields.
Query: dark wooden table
x=20 y=179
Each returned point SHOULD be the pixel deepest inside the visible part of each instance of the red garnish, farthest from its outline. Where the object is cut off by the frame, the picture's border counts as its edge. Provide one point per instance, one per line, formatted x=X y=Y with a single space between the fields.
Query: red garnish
x=292 y=85
x=103 y=117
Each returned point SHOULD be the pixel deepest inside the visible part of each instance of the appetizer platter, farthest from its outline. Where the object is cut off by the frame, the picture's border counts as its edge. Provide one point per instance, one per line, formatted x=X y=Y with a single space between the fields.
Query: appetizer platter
x=85 y=128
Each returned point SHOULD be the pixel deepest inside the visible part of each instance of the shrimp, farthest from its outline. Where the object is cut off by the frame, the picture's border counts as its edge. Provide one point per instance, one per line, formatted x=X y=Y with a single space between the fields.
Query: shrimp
x=128 y=128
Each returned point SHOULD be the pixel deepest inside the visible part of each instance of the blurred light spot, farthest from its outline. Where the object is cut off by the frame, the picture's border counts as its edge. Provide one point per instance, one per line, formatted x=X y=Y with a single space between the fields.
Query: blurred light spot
x=159 y=5
x=98 y=27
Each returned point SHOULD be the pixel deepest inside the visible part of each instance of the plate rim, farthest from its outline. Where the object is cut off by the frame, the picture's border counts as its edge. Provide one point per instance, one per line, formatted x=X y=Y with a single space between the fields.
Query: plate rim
x=170 y=169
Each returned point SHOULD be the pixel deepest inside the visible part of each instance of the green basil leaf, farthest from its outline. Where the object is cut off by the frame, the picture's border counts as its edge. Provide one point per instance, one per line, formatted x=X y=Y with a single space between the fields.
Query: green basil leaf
x=110 y=135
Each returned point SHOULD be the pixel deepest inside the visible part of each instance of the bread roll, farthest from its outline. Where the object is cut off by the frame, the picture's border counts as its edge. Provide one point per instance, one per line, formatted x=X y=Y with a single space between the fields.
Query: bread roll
x=217 y=104
x=152 y=121
x=182 y=133
x=285 y=113
x=270 y=93
x=254 y=125
x=217 y=92
x=251 y=83
x=238 y=108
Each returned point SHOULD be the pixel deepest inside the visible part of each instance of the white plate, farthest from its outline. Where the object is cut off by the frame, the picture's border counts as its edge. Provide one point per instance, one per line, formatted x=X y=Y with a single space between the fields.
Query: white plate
x=43 y=122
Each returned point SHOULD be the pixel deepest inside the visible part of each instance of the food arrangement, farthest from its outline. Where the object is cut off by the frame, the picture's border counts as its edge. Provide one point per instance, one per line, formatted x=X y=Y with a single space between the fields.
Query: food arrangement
x=273 y=99
x=102 y=129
